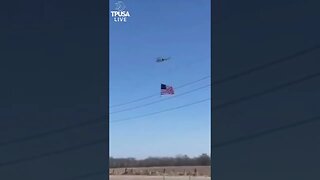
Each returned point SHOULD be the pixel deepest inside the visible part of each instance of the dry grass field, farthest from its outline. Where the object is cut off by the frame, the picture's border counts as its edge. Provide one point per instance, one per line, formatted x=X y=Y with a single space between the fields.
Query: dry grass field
x=159 y=178
x=183 y=171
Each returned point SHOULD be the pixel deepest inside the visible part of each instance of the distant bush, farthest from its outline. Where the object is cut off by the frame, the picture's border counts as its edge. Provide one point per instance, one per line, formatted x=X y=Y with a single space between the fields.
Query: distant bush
x=179 y=160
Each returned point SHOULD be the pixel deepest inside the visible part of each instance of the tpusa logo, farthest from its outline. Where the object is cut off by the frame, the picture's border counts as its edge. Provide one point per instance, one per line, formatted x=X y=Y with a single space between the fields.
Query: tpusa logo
x=119 y=14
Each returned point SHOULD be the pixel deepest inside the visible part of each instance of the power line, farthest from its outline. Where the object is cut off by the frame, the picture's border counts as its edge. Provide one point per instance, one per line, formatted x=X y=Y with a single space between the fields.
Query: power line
x=101 y=141
x=40 y=135
x=157 y=94
x=267 y=65
x=171 y=109
x=55 y=131
x=237 y=75
x=276 y=88
x=36 y=157
x=242 y=99
x=154 y=102
x=266 y=132
x=187 y=84
x=166 y=110
x=83 y=124
x=240 y=139
x=263 y=133
x=221 y=106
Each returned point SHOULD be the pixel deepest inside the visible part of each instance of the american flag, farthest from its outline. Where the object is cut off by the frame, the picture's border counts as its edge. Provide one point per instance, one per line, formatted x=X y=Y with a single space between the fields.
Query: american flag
x=166 y=89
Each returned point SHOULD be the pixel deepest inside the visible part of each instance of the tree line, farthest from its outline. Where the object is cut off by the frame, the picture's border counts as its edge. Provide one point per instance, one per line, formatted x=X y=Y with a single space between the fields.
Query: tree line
x=179 y=160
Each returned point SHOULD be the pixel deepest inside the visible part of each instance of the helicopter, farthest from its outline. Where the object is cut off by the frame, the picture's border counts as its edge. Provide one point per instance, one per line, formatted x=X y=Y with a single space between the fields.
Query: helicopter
x=161 y=59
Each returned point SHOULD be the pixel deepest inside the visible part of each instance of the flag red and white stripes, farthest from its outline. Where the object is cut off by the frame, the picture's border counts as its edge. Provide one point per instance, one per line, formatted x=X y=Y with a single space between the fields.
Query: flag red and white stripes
x=166 y=89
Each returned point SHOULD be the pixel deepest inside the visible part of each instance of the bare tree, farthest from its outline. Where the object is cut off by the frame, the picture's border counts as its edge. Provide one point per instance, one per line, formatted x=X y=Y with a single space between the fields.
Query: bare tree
x=179 y=160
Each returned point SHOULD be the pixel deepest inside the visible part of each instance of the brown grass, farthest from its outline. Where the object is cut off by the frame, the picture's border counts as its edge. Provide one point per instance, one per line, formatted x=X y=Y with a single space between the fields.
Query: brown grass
x=160 y=171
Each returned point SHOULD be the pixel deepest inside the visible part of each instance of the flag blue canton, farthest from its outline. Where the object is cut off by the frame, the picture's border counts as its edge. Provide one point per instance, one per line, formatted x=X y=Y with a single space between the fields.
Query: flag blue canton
x=166 y=89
